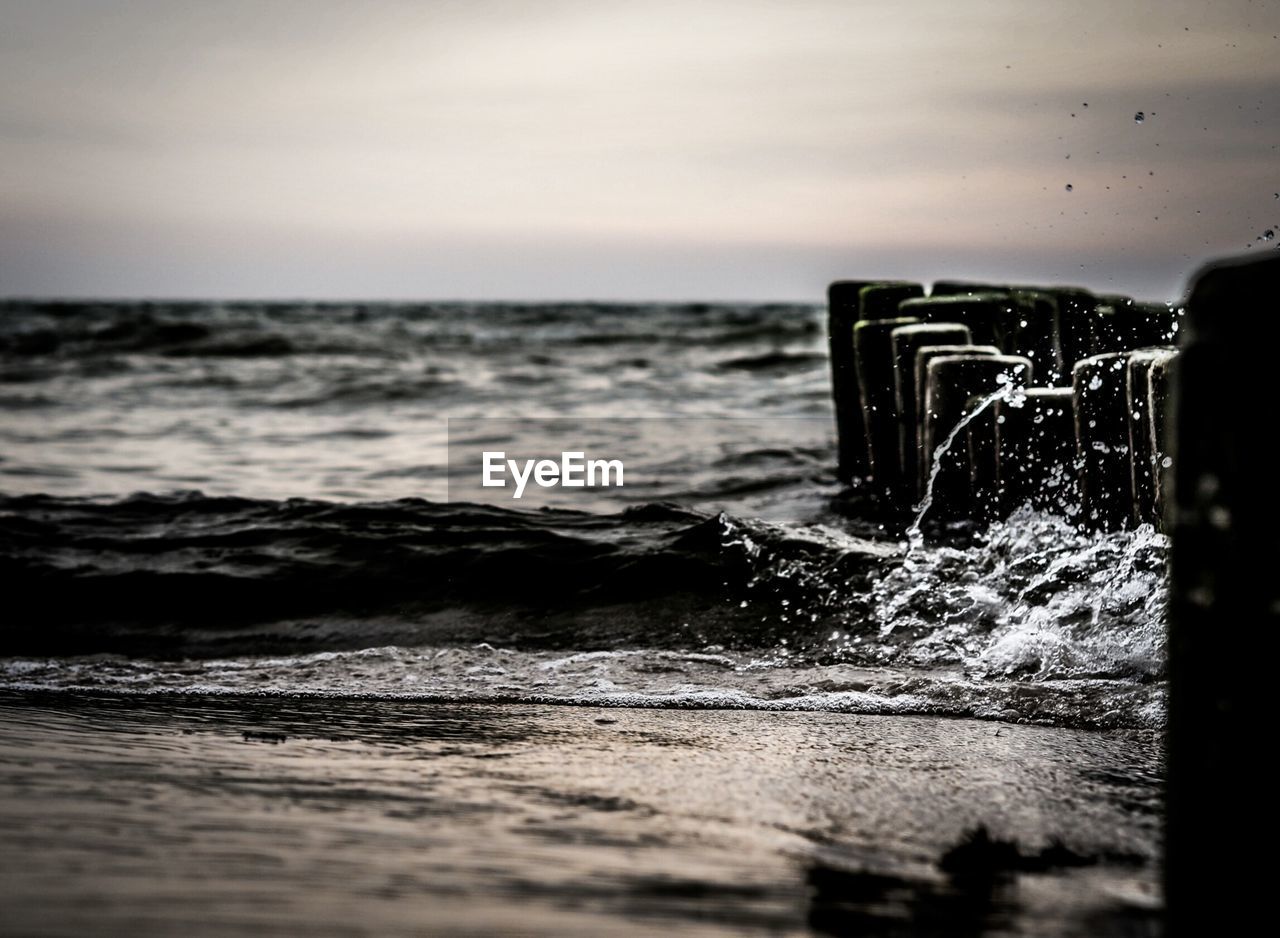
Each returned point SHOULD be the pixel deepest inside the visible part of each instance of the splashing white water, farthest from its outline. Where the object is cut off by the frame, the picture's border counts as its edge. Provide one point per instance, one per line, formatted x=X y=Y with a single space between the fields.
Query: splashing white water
x=1033 y=598
x=1008 y=391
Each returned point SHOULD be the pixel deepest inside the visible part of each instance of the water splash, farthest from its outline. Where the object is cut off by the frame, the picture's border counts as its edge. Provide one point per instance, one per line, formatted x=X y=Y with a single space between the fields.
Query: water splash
x=1033 y=599
x=1030 y=620
x=1009 y=392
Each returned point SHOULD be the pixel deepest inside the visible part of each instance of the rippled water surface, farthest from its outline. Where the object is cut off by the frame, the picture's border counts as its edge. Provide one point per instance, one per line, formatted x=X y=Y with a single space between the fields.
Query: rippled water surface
x=260 y=672
x=349 y=402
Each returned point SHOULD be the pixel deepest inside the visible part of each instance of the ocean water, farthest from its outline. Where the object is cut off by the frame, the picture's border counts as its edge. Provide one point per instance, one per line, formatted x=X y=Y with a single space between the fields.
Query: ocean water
x=215 y=509
x=253 y=497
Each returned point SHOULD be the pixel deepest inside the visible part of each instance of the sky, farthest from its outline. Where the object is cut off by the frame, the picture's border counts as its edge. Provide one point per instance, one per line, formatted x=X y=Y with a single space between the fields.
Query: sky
x=492 y=149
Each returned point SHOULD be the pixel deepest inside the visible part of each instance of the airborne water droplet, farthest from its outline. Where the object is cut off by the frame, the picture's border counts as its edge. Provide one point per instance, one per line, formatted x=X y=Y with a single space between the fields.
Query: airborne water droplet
x=1070 y=187
x=1139 y=117
x=1268 y=234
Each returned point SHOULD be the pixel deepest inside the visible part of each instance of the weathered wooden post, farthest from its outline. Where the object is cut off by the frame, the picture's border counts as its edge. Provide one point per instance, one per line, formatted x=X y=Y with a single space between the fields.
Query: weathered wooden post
x=881 y=300
x=1110 y=320
x=923 y=357
x=964 y=288
x=1225 y=606
x=984 y=476
x=1158 y=322
x=1123 y=325
x=952 y=382
x=1102 y=436
x=1138 y=407
x=1036 y=451
x=990 y=316
x=907 y=341
x=843 y=310
x=1073 y=325
x=1160 y=378
x=1036 y=337
x=873 y=347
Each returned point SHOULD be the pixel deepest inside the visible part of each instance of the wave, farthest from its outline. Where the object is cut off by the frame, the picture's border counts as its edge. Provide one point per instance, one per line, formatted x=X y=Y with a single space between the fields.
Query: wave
x=1027 y=618
x=37 y=329
x=635 y=678
x=150 y=566
x=774 y=362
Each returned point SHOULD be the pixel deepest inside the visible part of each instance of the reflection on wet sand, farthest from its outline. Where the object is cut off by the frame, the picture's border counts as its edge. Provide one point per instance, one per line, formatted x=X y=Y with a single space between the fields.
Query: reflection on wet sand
x=274 y=815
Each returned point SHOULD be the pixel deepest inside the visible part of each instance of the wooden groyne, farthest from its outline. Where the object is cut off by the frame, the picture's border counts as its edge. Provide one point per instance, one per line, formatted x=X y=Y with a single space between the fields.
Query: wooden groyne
x=1080 y=384
x=1082 y=405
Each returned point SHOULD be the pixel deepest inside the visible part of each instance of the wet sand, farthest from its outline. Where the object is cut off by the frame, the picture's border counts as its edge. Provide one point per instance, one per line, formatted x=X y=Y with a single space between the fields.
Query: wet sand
x=203 y=816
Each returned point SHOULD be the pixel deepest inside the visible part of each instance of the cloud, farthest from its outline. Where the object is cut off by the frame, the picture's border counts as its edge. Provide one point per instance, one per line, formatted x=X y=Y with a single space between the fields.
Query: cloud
x=900 y=132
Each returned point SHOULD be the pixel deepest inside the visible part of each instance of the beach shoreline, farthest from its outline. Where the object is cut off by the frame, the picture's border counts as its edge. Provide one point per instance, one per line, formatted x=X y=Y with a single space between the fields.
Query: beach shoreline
x=148 y=814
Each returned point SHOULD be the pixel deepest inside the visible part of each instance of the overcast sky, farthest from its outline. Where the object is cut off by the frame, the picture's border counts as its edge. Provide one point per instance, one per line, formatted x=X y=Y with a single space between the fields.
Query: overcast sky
x=686 y=150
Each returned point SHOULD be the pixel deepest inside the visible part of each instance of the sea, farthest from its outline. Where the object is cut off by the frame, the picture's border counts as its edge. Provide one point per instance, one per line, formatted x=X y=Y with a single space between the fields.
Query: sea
x=267 y=666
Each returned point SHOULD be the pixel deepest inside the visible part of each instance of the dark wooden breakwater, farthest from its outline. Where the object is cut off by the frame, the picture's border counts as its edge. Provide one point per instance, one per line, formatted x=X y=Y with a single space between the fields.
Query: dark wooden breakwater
x=985 y=397
x=1090 y=410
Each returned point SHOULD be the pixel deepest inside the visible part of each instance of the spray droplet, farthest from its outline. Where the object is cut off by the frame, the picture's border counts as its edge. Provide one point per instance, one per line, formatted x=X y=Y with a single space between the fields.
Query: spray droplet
x=1269 y=234
x=1139 y=117
x=1070 y=187
x=1166 y=462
